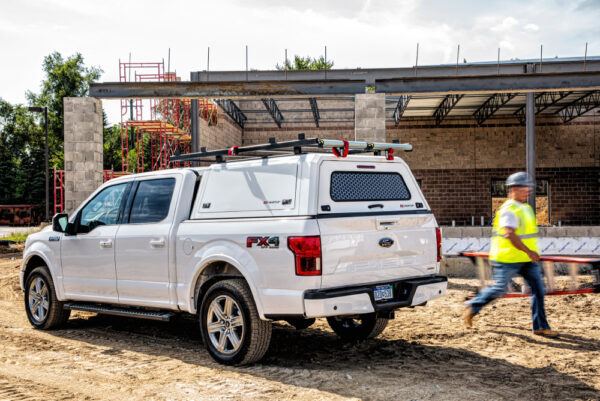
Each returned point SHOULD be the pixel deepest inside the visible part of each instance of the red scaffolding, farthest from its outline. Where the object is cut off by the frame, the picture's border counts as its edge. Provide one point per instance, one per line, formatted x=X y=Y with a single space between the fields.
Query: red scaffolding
x=158 y=126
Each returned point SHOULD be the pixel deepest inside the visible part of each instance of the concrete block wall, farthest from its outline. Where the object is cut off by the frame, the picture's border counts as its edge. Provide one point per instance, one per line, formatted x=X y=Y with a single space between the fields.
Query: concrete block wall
x=83 y=149
x=223 y=135
x=369 y=112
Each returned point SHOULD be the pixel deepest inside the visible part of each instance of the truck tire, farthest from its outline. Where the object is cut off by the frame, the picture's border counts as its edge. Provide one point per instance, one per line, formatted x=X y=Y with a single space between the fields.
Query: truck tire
x=360 y=328
x=300 y=323
x=43 y=309
x=237 y=335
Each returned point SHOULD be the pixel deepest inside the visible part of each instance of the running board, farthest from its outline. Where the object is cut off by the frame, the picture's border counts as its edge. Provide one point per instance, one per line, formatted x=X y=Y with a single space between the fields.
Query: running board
x=109 y=310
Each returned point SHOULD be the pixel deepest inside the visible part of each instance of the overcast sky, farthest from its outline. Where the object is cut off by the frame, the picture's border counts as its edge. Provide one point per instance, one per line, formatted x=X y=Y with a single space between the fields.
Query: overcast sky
x=371 y=33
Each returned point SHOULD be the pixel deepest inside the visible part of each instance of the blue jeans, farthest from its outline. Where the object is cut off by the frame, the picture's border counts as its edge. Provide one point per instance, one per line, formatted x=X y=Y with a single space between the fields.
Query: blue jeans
x=503 y=274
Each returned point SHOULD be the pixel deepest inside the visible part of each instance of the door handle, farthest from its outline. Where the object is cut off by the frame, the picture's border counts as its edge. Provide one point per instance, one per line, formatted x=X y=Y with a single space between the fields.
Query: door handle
x=157 y=243
x=106 y=244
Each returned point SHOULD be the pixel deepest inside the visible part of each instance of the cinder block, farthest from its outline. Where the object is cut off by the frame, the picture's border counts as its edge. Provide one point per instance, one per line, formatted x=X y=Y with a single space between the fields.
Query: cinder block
x=577 y=231
x=472 y=232
x=451 y=232
x=556 y=232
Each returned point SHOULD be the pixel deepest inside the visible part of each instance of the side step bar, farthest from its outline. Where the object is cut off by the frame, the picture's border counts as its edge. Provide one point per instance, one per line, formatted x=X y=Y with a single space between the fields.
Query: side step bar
x=111 y=310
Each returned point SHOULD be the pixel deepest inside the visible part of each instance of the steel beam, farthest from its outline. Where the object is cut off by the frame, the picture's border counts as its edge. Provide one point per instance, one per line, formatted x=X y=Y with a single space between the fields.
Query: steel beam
x=589 y=80
x=400 y=107
x=580 y=106
x=445 y=107
x=492 y=105
x=530 y=142
x=315 y=110
x=491 y=84
x=232 y=111
x=373 y=74
x=194 y=127
x=273 y=109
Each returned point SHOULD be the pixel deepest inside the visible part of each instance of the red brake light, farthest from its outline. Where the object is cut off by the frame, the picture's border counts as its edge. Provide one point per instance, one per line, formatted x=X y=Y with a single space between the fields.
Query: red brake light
x=438 y=236
x=307 y=254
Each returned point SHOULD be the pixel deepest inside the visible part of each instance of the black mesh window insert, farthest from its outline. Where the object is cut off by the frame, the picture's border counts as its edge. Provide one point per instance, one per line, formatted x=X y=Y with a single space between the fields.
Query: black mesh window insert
x=351 y=186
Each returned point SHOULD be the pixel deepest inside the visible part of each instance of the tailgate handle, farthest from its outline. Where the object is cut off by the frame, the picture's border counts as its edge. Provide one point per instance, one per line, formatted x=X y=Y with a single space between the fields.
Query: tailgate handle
x=374 y=205
x=387 y=223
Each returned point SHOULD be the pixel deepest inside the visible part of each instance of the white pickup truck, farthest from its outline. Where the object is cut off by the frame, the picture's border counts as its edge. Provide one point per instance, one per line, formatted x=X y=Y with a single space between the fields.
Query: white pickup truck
x=243 y=244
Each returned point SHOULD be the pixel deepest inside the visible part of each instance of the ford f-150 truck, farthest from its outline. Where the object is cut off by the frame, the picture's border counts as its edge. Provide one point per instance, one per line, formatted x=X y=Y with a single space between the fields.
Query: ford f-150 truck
x=240 y=245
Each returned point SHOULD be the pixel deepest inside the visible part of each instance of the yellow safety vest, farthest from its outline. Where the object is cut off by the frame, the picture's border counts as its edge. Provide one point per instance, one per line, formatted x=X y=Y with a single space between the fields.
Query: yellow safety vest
x=502 y=250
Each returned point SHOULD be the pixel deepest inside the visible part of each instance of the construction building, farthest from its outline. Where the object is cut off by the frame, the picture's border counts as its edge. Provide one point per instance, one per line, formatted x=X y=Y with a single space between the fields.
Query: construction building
x=471 y=125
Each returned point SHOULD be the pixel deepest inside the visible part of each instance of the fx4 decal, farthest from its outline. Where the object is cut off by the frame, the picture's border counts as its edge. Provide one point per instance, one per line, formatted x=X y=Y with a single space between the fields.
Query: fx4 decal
x=263 y=242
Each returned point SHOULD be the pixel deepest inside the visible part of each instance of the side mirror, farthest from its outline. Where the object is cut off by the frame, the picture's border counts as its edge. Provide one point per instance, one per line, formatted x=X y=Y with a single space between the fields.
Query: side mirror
x=60 y=222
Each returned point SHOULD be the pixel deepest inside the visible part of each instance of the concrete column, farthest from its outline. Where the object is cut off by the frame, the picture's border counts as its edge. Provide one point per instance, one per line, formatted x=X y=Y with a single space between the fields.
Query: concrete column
x=369 y=117
x=530 y=140
x=83 y=149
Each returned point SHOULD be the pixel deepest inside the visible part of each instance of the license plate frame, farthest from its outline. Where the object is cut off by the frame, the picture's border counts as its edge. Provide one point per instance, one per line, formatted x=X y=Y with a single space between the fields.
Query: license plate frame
x=383 y=292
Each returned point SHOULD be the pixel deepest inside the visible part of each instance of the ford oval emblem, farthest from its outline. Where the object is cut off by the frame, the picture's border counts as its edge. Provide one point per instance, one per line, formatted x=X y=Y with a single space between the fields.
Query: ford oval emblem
x=386 y=242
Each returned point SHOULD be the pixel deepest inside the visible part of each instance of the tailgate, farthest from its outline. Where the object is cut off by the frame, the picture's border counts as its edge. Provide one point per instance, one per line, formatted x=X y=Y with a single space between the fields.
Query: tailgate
x=375 y=224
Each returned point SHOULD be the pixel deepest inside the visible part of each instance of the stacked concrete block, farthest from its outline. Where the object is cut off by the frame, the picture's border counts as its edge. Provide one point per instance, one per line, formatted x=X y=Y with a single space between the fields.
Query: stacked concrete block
x=369 y=112
x=83 y=149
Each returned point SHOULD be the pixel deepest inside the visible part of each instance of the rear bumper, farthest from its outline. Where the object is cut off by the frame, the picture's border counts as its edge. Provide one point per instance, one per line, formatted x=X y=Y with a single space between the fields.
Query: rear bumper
x=360 y=299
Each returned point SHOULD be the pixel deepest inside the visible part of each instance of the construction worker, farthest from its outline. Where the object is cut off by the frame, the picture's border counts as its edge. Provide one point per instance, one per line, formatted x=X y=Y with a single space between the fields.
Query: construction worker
x=514 y=250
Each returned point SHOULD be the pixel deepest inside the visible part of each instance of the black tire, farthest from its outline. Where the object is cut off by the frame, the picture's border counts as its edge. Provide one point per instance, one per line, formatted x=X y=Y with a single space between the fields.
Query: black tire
x=300 y=323
x=254 y=334
x=55 y=314
x=360 y=328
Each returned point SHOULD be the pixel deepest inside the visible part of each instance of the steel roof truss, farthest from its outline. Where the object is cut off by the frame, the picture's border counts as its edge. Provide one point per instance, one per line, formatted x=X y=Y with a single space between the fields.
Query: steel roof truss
x=400 y=107
x=445 y=107
x=232 y=111
x=542 y=102
x=492 y=105
x=315 y=110
x=580 y=106
x=273 y=109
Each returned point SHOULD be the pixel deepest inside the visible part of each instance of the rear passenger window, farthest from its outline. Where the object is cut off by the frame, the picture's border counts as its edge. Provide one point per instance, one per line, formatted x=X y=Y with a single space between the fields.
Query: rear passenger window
x=152 y=201
x=352 y=186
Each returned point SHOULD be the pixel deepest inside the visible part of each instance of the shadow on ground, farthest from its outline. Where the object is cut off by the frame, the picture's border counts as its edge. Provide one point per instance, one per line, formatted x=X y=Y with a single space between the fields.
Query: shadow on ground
x=315 y=358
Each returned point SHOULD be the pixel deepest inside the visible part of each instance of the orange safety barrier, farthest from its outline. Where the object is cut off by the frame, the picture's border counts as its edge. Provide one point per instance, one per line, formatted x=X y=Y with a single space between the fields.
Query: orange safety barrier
x=479 y=259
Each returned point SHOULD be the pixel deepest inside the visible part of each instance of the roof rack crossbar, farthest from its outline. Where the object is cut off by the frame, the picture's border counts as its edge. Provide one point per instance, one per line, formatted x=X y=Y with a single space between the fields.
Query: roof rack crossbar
x=296 y=147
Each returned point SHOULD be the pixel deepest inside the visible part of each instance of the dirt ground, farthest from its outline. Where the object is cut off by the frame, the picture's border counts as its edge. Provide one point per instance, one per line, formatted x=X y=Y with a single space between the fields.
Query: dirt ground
x=424 y=354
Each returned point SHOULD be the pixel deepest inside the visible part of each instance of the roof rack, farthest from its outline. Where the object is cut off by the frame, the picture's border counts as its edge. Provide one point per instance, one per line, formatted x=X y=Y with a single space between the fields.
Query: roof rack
x=340 y=148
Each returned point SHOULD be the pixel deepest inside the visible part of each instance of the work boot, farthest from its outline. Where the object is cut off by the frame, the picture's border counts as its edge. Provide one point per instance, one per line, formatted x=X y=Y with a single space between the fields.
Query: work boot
x=468 y=317
x=546 y=333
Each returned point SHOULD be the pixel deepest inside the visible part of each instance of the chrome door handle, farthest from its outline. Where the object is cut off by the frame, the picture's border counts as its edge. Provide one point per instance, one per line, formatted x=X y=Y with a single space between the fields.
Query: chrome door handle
x=157 y=243
x=106 y=244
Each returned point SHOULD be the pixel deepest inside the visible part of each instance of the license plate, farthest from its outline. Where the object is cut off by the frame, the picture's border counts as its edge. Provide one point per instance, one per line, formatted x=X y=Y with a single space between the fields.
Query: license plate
x=383 y=292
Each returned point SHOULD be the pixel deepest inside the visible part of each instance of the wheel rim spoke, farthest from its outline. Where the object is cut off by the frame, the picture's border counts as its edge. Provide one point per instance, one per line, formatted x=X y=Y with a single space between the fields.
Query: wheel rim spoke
x=221 y=343
x=234 y=339
x=228 y=307
x=237 y=321
x=215 y=327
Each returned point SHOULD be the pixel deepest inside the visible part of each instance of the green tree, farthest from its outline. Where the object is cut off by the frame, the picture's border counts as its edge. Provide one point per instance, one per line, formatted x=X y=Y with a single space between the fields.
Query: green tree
x=21 y=156
x=22 y=144
x=306 y=63
x=63 y=78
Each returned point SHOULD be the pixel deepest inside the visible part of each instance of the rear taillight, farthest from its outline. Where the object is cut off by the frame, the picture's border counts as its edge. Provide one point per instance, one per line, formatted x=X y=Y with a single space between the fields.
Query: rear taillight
x=438 y=237
x=307 y=254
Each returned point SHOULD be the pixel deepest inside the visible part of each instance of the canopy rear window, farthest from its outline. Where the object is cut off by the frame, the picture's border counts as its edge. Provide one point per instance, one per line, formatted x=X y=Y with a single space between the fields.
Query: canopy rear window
x=353 y=186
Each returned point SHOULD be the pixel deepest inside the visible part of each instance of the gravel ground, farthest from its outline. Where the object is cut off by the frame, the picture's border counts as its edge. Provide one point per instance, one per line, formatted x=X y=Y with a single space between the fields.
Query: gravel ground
x=424 y=354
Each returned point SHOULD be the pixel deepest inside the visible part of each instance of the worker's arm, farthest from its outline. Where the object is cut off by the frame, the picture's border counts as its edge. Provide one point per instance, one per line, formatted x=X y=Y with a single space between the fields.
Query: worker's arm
x=509 y=233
